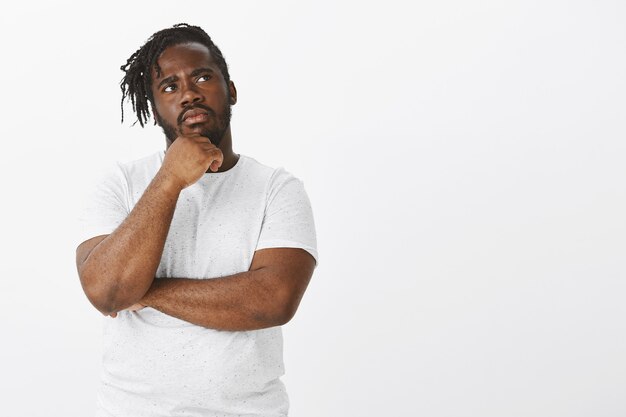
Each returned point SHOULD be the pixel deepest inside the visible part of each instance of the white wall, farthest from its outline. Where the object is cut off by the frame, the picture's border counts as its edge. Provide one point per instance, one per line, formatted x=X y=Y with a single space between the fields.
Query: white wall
x=465 y=160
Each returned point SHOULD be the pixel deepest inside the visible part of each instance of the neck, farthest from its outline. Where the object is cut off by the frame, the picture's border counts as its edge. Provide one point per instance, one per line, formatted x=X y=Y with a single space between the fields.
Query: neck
x=226 y=146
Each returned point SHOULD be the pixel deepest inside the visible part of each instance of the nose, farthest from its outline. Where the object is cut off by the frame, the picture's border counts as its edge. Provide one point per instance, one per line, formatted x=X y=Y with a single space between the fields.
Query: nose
x=190 y=94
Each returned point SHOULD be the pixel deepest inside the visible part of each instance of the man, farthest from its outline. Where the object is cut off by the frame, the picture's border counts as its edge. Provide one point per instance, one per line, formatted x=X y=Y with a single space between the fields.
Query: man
x=197 y=255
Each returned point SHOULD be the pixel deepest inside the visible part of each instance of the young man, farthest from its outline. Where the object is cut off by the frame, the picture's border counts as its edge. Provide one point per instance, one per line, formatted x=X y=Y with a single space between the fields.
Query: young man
x=196 y=255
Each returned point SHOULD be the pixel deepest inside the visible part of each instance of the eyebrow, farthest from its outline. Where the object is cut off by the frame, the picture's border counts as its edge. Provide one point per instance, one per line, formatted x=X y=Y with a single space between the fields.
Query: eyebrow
x=194 y=73
x=168 y=80
x=199 y=71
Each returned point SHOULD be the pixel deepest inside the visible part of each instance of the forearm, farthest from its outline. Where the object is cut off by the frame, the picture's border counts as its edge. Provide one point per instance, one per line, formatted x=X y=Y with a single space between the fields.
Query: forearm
x=245 y=301
x=121 y=268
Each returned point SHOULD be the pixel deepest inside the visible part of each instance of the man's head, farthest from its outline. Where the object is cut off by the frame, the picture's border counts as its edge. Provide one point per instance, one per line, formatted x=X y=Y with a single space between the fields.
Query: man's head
x=180 y=76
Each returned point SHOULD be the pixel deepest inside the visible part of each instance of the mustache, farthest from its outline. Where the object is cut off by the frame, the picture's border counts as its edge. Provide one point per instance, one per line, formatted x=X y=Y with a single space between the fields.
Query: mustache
x=209 y=111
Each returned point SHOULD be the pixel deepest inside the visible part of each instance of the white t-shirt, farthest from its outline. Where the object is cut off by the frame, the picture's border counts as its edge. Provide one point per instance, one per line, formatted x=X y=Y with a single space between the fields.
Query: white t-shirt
x=158 y=365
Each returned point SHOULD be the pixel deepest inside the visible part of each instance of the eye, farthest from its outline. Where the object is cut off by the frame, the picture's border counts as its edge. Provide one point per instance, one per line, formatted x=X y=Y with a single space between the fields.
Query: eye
x=205 y=77
x=169 y=88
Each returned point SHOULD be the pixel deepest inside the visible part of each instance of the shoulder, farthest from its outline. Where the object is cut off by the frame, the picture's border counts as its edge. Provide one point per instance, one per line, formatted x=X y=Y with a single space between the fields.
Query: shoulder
x=274 y=179
x=255 y=168
x=125 y=178
x=145 y=166
x=272 y=176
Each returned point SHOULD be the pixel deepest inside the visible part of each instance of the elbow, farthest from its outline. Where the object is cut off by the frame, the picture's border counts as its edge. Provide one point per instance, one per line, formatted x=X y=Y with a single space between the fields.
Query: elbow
x=275 y=313
x=286 y=309
x=110 y=285
x=103 y=292
x=284 y=319
x=99 y=295
x=102 y=303
x=274 y=319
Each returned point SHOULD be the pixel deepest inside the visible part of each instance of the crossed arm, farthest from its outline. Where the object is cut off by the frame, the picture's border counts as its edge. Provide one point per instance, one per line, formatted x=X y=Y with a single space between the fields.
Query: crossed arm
x=266 y=295
x=117 y=271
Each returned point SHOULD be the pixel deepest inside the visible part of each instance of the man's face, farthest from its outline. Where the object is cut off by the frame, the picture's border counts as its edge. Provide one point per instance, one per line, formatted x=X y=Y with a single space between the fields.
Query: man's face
x=190 y=94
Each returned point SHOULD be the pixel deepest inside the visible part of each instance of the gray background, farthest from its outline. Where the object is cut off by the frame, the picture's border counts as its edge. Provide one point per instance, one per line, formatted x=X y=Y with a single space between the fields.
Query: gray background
x=465 y=161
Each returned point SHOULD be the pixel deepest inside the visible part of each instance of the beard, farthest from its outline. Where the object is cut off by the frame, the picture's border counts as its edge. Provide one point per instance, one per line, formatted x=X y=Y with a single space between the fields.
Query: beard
x=214 y=133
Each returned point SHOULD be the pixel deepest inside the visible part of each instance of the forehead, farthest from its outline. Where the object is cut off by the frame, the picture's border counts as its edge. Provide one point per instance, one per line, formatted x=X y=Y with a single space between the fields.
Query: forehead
x=183 y=57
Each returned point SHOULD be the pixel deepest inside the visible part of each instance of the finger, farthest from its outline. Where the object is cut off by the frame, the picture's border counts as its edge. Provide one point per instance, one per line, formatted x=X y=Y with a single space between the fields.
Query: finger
x=215 y=165
x=217 y=154
x=212 y=151
x=208 y=148
x=201 y=139
x=206 y=145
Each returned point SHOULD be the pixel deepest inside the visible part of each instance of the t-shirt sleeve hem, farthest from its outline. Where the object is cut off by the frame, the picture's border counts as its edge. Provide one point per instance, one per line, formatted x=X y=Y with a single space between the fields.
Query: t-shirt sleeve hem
x=281 y=243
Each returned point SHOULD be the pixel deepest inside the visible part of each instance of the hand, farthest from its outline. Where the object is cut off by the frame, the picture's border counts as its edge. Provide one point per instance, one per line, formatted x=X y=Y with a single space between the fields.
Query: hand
x=134 y=307
x=189 y=157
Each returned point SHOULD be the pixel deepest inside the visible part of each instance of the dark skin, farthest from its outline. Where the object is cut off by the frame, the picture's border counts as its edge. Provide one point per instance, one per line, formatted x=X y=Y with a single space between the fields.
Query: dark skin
x=194 y=80
x=117 y=271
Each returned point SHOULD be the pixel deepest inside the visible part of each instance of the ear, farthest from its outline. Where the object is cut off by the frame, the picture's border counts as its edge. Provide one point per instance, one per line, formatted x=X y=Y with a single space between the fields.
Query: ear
x=233 y=93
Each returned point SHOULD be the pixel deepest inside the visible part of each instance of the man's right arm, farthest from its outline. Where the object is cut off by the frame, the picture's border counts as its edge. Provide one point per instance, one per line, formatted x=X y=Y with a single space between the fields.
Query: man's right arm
x=117 y=270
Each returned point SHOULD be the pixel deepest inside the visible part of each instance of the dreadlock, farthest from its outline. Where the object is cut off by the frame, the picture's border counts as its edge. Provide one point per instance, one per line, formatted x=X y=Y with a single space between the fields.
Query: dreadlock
x=137 y=82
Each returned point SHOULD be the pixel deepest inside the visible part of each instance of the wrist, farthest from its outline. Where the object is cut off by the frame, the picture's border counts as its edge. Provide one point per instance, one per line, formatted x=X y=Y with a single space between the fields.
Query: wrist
x=168 y=181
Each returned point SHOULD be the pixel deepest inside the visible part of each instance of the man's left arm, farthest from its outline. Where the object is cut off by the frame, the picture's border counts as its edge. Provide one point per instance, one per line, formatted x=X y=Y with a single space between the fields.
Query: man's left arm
x=266 y=295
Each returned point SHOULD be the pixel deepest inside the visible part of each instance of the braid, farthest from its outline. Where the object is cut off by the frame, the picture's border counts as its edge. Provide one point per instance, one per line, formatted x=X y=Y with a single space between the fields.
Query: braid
x=137 y=82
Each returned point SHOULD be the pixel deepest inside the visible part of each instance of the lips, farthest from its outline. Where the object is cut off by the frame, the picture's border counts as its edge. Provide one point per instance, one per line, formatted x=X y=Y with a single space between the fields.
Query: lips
x=195 y=116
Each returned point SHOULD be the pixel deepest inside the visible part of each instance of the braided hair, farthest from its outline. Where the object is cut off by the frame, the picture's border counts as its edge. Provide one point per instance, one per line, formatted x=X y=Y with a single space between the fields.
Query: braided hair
x=137 y=82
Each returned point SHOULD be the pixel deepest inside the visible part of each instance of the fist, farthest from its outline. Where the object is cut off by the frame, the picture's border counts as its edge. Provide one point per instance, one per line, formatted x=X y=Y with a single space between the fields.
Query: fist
x=189 y=157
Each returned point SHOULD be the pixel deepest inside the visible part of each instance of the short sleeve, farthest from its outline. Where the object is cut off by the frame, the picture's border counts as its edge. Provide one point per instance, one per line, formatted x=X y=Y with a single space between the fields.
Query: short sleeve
x=288 y=220
x=105 y=205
